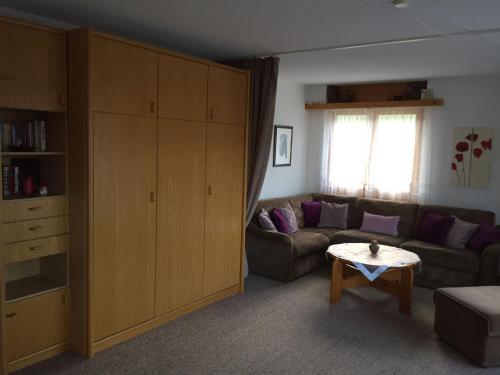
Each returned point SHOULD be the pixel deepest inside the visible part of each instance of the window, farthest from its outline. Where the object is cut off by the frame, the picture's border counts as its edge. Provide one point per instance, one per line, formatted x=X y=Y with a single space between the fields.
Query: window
x=372 y=153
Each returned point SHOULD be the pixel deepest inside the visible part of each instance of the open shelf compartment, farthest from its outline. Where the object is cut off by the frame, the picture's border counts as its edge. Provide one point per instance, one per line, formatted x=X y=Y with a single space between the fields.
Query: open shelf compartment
x=35 y=276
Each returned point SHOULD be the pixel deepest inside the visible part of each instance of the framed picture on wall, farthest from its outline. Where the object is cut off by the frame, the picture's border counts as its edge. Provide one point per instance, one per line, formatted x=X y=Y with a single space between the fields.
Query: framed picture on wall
x=283 y=138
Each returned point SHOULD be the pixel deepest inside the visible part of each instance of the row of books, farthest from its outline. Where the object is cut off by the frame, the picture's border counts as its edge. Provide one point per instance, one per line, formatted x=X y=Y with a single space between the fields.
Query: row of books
x=10 y=178
x=28 y=136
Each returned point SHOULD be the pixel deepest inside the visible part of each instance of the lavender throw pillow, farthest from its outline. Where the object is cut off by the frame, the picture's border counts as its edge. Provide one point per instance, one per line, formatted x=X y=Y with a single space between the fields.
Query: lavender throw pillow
x=484 y=236
x=434 y=228
x=312 y=211
x=333 y=215
x=284 y=219
x=380 y=224
x=460 y=233
x=265 y=221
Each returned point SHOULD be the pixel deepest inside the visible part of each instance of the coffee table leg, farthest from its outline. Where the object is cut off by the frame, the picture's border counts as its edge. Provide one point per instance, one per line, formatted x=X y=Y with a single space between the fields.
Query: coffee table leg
x=336 y=281
x=405 y=291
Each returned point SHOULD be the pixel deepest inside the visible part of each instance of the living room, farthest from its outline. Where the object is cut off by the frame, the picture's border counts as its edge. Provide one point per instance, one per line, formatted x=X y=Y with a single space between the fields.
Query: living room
x=230 y=187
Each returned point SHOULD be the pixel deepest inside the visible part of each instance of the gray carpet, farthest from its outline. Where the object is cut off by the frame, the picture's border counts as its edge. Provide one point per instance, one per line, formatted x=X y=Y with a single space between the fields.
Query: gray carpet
x=277 y=328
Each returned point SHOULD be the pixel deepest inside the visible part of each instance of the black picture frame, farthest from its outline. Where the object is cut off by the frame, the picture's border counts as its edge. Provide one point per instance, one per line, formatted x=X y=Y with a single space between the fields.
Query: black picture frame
x=278 y=151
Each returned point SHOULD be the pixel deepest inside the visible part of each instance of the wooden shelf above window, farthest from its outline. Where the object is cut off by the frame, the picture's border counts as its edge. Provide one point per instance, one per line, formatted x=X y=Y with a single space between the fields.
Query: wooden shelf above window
x=382 y=104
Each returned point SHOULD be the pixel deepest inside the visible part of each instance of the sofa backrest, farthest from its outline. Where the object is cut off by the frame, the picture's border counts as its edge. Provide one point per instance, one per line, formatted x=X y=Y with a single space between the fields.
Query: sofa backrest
x=407 y=212
x=467 y=214
x=294 y=200
x=339 y=199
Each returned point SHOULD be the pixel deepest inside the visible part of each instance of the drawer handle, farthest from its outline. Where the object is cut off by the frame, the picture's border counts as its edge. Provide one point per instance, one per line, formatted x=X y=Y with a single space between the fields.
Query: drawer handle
x=39 y=247
x=152 y=107
x=37 y=208
x=36 y=227
x=11 y=315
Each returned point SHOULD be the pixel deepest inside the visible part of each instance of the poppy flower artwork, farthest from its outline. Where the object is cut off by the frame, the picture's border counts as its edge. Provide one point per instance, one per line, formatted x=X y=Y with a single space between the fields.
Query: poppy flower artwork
x=471 y=164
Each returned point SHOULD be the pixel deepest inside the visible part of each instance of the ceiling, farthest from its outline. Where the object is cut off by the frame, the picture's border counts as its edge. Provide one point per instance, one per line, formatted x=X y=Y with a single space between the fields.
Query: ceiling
x=221 y=29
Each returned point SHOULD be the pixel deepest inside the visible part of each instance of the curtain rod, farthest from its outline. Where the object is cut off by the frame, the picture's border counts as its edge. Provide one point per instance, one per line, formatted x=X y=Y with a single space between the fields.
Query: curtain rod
x=387 y=42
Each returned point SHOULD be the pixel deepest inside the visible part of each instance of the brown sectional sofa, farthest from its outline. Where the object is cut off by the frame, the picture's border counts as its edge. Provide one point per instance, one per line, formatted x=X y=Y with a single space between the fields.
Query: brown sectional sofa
x=286 y=258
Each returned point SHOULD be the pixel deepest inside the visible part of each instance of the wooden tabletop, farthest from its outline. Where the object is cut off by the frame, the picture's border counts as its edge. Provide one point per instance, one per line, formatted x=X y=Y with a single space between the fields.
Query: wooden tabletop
x=390 y=256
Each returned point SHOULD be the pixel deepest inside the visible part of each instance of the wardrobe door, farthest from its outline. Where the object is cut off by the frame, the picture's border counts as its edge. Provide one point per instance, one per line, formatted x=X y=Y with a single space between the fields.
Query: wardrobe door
x=181 y=208
x=124 y=222
x=224 y=207
x=227 y=96
x=123 y=78
x=32 y=68
x=182 y=88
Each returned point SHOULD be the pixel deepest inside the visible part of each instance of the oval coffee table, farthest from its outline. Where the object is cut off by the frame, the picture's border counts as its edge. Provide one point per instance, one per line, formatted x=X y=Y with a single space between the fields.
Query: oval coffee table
x=396 y=280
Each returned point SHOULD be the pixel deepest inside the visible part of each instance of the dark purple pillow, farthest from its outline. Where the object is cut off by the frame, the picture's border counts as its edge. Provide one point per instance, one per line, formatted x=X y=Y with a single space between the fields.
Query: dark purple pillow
x=484 y=236
x=312 y=212
x=280 y=221
x=434 y=228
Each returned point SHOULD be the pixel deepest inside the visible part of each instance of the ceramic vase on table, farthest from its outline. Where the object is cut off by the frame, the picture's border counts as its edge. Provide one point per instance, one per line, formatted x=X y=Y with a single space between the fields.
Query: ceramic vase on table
x=374 y=247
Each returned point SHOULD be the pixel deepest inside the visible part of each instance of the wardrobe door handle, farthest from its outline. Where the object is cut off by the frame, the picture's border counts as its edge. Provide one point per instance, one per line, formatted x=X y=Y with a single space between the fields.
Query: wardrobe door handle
x=212 y=113
x=210 y=190
x=152 y=196
x=152 y=107
x=61 y=100
x=11 y=315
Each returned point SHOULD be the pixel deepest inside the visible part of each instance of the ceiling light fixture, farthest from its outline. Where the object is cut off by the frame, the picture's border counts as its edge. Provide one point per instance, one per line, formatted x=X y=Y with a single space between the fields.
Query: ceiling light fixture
x=400 y=4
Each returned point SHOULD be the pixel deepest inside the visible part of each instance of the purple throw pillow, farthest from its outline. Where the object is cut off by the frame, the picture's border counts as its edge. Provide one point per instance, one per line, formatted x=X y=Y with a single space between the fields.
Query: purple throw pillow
x=265 y=221
x=484 y=236
x=284 y=219
x=380 y=224
x=434 y=228
x=312 y=211
x=333 y=215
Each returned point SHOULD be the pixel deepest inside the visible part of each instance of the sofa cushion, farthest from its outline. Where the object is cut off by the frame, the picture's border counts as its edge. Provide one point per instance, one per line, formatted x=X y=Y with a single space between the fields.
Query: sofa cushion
x=329 y=232
x=312 y=212
x=484 y=236
x=339 y=199
x=407 y=212
x=268 y=205
x=434 y=228
x=265 y=221
x=460 y=233
x=380 y=224
x=444 y=256
x=355 y=235
x=333 y=215
x=295 y=202
x=308 y=242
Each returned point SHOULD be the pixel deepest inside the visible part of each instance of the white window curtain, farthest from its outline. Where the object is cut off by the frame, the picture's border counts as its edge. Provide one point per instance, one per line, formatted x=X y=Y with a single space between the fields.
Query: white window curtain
x=373 y=153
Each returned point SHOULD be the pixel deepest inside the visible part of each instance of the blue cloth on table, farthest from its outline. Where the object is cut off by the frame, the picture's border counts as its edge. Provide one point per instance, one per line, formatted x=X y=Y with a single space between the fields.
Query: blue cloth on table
x=370 y=272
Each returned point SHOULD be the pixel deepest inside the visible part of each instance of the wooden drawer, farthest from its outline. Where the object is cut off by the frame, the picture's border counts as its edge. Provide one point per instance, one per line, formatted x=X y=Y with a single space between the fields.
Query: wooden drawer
x=34 y=209
x=36 y=323
x=33 y=229
x=19 y=251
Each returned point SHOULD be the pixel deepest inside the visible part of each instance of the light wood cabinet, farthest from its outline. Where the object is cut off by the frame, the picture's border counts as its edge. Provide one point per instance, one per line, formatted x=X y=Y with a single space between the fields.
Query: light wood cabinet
x=36 y=323
x=159 y=220
x=227 y=96
x=181 y=207
x=123 y=78
x=124 y=222
x=32 y=68
x=182 y=88
x=224 y=207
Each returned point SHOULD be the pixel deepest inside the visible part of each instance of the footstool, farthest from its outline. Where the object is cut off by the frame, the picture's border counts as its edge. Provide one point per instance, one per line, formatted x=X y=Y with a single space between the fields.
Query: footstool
x=468 y=319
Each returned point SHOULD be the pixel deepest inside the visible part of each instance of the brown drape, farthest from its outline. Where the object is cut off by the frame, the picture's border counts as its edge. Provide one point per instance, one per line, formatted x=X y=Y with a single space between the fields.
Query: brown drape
x=263 y=83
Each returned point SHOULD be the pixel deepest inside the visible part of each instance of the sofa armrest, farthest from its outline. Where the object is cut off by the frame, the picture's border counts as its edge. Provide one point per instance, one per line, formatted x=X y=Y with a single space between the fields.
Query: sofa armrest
x=269 y=253
x=490 y=266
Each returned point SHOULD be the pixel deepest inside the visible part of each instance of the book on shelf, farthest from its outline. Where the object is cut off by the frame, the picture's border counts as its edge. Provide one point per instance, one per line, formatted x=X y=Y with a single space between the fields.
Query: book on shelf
x=10 y=181
x=23 y=137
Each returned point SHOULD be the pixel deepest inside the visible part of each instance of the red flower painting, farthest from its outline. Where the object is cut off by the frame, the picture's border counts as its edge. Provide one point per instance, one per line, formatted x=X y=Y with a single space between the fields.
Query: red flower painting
x=470 y=154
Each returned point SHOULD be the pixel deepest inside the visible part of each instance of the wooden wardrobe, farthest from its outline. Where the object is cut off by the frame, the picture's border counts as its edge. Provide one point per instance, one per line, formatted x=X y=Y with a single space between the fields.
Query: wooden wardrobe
x=157 y=185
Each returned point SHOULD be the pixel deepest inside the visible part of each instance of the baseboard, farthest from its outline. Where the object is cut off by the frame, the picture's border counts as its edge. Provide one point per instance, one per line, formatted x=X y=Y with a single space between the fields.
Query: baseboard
x=37 y=357
x=162 y=319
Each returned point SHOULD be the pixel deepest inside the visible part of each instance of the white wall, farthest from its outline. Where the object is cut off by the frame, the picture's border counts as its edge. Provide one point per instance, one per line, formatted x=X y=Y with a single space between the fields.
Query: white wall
x=283 y=181
x=469 y=101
